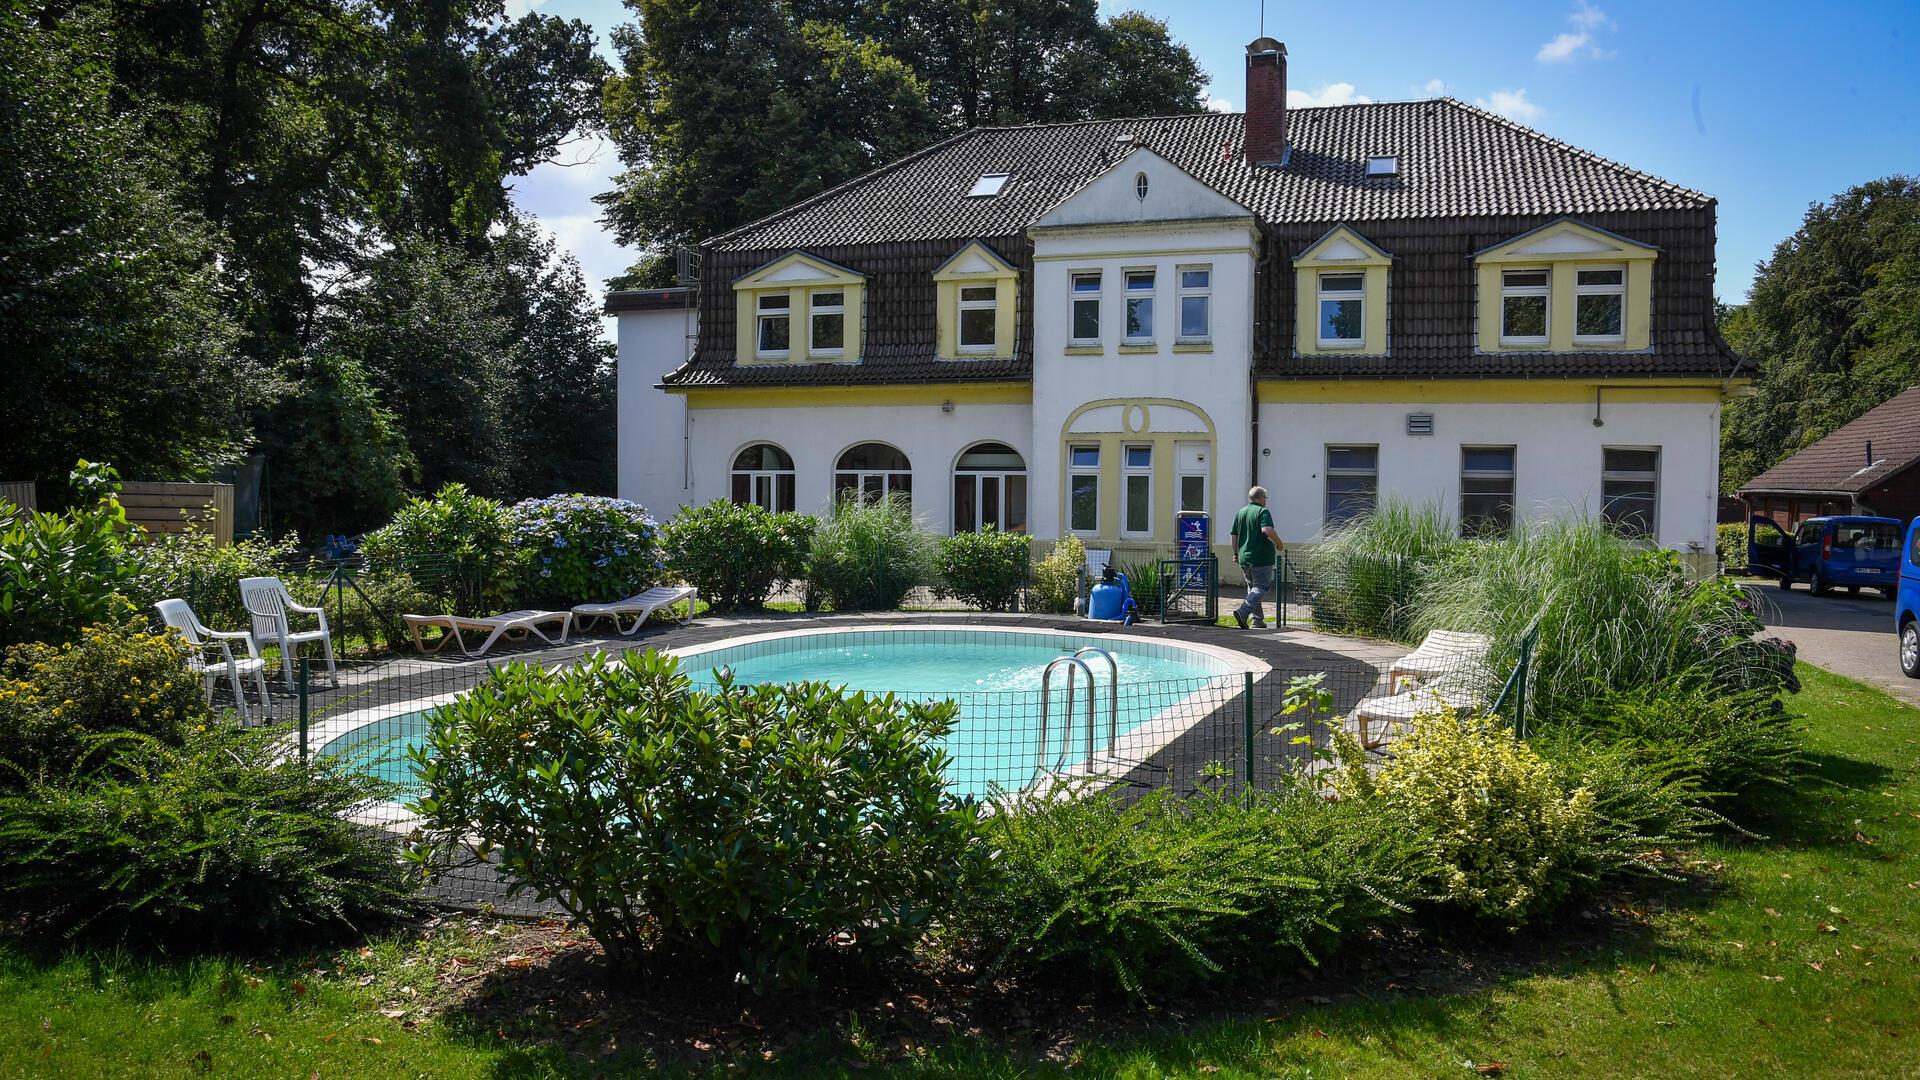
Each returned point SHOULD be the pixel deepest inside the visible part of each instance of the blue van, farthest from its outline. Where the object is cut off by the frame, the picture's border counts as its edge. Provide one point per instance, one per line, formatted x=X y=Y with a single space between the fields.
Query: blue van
x=1826 y=552
x=1906 y=607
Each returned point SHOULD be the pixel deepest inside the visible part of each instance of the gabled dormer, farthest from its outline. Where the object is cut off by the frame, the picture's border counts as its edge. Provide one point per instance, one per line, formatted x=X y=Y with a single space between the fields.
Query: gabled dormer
x=1565 y=287
x=1340 y=288
x=800 y=309
x=976 y=293
x=1141 y=187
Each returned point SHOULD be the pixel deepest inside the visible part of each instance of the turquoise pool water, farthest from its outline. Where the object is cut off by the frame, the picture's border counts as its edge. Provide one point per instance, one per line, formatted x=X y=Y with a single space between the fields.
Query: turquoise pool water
x=994 y=676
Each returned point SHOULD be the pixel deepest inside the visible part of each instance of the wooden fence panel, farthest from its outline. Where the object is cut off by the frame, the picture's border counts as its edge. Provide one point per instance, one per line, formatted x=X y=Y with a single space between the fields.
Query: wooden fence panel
x=175 y=508
x=18 y=494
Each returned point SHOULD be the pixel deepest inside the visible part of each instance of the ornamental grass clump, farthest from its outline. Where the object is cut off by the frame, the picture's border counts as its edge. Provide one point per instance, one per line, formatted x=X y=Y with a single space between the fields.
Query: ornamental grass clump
x=1367 y=575
x=748 y=826
x=870 y=553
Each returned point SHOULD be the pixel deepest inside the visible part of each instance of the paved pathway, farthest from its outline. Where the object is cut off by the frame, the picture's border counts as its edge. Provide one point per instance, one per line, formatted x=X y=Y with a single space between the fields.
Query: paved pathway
x=1850 y=635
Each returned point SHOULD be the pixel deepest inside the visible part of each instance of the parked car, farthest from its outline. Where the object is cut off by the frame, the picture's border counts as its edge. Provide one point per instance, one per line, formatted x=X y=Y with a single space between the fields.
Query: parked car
x=1906 y=606
x=1829 y=552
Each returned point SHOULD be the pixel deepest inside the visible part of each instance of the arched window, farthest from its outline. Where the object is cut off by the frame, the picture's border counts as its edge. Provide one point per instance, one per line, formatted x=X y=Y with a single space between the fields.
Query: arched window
x=990 y=488
x=872 y=470
x=763 y=476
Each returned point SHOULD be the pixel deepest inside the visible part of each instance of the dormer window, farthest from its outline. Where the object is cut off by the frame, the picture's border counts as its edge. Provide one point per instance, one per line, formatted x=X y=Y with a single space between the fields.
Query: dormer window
x=1599 y=304
x=1565 y=287
x=1343 y=311
x=829 y=323
x=1341 y=281
x=774 y=329
x=975 y=293
x=1524 y=304
x=989 y=185
x=978 y=314
x=1383 y=165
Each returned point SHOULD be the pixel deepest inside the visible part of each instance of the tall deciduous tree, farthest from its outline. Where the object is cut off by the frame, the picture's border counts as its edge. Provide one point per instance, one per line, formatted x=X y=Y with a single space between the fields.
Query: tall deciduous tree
x=1832 y=325
x=113 y=345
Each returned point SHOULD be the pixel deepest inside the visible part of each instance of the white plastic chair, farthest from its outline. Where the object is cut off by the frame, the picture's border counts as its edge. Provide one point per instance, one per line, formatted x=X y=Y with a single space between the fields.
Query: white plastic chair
x=180 y=617
x=268 y=601
x=639 y=605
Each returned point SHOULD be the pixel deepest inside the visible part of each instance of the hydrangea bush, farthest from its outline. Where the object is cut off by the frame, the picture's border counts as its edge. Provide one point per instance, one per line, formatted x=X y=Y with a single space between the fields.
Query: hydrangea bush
x=583 y=548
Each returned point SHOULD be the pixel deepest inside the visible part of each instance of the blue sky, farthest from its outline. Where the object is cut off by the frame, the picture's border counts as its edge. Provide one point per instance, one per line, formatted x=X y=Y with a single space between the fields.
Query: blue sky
x=1766 y=106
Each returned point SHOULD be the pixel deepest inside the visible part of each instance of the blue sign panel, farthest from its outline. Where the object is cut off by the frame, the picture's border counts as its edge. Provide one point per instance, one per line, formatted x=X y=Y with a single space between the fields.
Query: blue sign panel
x=1193 y=533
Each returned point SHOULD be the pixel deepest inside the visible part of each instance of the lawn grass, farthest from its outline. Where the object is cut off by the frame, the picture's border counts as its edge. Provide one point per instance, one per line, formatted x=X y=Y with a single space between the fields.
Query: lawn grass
x=1803 y=959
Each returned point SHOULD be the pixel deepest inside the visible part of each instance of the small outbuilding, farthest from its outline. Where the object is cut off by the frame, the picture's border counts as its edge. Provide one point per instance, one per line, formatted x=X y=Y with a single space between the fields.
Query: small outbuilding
x=1869 y=466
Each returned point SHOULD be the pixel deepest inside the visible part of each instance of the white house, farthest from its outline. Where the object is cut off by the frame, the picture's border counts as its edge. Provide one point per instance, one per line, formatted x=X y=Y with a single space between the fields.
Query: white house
x=1090 y=327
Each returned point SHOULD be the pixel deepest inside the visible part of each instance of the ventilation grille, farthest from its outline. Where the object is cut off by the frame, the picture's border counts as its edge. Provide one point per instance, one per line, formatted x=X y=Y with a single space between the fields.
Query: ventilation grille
x=1419 y=423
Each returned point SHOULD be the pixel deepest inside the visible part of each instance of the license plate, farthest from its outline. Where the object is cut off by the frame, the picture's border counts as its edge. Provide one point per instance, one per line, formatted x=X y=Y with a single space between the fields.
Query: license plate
x=1865 y=570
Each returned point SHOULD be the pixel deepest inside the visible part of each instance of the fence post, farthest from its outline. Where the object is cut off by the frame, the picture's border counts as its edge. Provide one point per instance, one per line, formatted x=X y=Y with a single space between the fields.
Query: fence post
x=1520 y=688
x=1246 y=693
x=304 y=661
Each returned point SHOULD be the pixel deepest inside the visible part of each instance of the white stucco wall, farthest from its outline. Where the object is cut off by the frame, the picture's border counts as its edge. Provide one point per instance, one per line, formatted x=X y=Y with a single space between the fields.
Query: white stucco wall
x=816 y=435
x=1557 y=459
x=650 y=450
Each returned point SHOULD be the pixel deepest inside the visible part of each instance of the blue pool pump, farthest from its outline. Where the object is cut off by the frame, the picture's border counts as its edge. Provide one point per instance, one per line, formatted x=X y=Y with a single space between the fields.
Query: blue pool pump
x=1110 y=600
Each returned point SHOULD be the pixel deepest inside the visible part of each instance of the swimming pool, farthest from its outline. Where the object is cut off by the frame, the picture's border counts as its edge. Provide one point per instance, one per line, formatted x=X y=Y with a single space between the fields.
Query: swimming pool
x=993 y=675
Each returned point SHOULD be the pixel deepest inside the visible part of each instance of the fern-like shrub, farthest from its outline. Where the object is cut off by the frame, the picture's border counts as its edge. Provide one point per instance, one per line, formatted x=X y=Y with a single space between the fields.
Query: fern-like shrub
x=750 y=825
x=1056 y=578
x=220 y=842
x=1167 y=891
x=56 y=702
x=985 y=568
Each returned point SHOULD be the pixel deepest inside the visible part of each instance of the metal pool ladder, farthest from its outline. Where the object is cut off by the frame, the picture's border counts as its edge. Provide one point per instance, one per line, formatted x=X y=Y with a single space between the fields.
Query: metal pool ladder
x=1074 y=663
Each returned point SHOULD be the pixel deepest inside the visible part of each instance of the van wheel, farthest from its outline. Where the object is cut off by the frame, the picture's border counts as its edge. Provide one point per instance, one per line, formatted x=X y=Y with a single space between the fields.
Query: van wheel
x=1818 y=585
x=1853 y=590
x=1910 y=649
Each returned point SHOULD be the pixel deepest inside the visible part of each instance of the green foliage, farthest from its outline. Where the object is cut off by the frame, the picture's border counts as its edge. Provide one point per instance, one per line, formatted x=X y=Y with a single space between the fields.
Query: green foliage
x=734 y=554
x=61 y=572
x=1056 y=578
x=1732 y=742
x=191 y=566
x=340 y=459
x=1505 y=834
x=985 y=568
x=370 y=609
x=868 y=554
x=1830 y=327
x=582 y=548
x=1163 y=891
x=1730 y=543
x=1143 y=581
x=1367 y=574
x=456 y=546
x=1609 y=613
x=221 y=842
x=56 y=700
x=753 y=823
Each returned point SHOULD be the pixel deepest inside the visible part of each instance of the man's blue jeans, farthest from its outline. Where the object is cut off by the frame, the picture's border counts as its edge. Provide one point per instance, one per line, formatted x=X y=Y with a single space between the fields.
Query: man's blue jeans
x=1259 y=583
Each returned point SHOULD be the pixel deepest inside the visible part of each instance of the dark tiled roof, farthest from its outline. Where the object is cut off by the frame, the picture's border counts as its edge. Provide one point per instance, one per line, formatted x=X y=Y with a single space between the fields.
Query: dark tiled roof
x=1841 y=462
x=648 y=299
x=1467 y=179
x=1455 y=161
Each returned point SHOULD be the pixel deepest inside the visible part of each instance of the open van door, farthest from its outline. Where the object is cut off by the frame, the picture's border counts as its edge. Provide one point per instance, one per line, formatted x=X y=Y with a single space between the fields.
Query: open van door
x=1769 y=548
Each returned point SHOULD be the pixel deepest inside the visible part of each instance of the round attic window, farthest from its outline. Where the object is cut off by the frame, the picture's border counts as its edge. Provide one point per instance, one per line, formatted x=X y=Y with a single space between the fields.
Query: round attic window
x=1140 y=186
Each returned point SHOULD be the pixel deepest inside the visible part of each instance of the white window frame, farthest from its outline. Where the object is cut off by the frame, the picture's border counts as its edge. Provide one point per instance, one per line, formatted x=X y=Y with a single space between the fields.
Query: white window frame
x=991 y=304
x=1003 y=478
x=1075 y=470
x=1331 y=471
x=1075 y=298
x=1619 y=290
x=760 y=317
x=1545 y=292
x=1129 y=472
x=1181 y=471
x=1341 y=295
x=1182 y=293
x=814 y=311
x=1606 y=474
x=756 y=478
x=1130 y=296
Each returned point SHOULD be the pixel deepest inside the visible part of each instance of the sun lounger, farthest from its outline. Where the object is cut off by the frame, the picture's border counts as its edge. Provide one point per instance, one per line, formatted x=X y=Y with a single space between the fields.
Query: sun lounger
x=1444 y=652
x=1402 y=708
x=639 y=605
x=515 y=625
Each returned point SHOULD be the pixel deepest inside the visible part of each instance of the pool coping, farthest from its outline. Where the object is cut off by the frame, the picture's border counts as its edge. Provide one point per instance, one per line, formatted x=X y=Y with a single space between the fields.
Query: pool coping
x=381 y=813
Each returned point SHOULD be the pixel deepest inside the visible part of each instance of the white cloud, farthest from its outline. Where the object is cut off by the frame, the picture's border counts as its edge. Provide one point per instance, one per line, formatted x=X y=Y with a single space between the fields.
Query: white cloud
x=517 y=8
x=1587 y=21
x=1218 y=104
x=1434 y=88
x=1331 y=94
x=1512 y=104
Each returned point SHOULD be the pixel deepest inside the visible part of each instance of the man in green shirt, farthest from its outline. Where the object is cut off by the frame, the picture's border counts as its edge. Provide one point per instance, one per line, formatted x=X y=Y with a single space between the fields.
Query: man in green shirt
x=1257 y=546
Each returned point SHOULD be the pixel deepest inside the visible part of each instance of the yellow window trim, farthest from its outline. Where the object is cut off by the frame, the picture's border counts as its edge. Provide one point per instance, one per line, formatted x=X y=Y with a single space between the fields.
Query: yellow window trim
x=1112 y=444
x=1563 y=248
x=1481 y=391
x=800 y=275
x=1371 y=263
x=947 y=282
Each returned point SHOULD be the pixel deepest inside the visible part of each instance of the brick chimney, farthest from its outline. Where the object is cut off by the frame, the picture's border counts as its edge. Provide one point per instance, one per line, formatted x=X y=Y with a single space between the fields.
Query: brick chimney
x=1266 y=102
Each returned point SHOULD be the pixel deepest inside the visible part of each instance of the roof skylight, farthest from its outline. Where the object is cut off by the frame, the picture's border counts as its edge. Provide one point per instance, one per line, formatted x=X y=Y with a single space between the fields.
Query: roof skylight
x=1383 y=165
x=989 y=185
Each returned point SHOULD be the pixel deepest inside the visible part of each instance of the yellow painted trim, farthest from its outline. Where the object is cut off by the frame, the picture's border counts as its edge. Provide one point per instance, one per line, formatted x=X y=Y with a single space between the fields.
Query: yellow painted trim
x=1148 y=348
x=814 y=397
x=1193 y=346
x=1563 y=267
x=1137 y=253
x=1111 y=444
x=1085 y=350
x=1006 y=297
x=748 y=290
x=1481 y=391
x=1308 y=266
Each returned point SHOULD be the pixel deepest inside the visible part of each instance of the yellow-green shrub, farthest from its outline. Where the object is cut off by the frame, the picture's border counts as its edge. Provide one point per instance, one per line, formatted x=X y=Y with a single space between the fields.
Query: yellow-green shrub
x=56 y=699
x=1056 y=578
